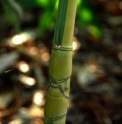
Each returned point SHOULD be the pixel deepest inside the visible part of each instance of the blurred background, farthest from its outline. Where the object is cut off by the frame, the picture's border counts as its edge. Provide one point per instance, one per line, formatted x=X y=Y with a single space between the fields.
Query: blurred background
x=26 y=35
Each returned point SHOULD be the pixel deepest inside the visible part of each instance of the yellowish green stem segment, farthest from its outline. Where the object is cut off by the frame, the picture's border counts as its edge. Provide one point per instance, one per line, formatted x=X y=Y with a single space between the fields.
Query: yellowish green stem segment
x=60 y=68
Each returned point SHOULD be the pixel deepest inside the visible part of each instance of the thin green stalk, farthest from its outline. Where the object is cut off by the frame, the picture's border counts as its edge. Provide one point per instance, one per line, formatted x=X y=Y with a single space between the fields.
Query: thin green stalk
x=60 y=64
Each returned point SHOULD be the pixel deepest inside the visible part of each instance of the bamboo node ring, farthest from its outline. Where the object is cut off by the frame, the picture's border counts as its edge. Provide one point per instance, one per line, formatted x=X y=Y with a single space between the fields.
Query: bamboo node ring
x=59 y=47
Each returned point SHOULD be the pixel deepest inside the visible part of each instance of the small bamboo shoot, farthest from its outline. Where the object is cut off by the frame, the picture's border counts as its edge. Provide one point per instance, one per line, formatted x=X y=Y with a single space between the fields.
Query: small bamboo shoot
x=60 y=64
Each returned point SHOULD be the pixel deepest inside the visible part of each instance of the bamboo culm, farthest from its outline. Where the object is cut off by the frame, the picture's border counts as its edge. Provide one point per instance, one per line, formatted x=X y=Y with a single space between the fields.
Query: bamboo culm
x=60 y=68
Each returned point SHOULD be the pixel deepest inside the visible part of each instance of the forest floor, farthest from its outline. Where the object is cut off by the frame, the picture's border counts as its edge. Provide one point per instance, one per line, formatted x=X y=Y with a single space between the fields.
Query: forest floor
x=96 y=81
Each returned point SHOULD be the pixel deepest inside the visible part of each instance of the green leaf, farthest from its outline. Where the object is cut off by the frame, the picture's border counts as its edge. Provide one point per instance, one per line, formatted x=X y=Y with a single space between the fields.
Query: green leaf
x=46 y=4
x=95 y=31
x=11 y=15
x=43 y=3
x=46 y=22
x=86 y=15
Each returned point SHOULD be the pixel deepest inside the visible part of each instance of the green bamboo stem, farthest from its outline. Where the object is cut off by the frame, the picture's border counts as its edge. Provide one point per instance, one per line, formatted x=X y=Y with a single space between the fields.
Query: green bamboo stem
x=60 y=64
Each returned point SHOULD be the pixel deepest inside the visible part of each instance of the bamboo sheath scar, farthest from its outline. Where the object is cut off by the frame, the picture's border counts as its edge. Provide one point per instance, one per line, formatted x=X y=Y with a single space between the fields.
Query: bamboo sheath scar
x=60 y=68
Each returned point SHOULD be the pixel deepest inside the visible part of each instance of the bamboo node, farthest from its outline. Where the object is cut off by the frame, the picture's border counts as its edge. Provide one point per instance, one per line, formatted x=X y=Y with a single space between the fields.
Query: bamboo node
x=58 y=81
x=55 y=118
x=53 y=83
x=59 y=47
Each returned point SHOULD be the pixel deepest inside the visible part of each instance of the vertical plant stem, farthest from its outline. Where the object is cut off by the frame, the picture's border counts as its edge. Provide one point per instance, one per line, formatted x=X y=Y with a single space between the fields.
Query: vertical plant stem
x=60 y=64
